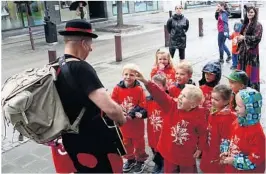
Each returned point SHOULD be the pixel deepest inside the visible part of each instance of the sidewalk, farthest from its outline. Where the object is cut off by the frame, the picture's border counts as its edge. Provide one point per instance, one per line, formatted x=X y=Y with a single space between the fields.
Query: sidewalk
x=128 y=18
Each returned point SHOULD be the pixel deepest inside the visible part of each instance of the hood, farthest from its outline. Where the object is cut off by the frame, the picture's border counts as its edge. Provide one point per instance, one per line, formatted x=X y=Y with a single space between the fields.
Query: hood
x=122 y=84
x=178 y=16
x=253 y=103
x=237 y=27
x=211 y=67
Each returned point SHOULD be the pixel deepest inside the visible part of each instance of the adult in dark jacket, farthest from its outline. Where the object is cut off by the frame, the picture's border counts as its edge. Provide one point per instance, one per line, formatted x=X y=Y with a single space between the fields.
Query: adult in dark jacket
x=248 y=46
x=221 y=15
x=177 y=26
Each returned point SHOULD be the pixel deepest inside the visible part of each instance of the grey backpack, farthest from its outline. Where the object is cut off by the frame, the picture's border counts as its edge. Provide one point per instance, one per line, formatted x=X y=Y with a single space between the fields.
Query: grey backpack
x=30 y=102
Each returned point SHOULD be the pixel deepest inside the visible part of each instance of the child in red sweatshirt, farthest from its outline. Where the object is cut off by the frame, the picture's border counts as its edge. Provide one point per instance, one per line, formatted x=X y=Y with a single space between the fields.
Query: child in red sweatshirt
x=155 y=123
x=130 y=95
x=244 y=151
x=164 y=65
x=184 y=73
x=184 y=131
x=219 y=122
x=211 y=76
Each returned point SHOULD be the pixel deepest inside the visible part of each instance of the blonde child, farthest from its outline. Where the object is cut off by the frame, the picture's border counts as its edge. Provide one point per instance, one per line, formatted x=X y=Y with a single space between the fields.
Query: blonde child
x=244 y=151
x=164 y=64
x=155 y=122
x=184 y=73
x=184 y=131
x=219 y=121
x=130 y=95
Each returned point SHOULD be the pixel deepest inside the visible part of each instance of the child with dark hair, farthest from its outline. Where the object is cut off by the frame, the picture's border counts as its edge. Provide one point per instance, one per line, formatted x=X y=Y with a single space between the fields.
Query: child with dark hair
x=244 y=150
x=219 y=120
x=211 y=76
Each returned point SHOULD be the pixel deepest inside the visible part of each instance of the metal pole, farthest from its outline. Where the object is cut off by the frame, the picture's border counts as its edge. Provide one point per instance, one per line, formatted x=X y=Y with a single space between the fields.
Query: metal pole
x=166 y=37
x=242 y=9
x=170 y=13
x=200 y=27
x=30 y=32
x=118 y=48
x=51 y=55
x=257 y=8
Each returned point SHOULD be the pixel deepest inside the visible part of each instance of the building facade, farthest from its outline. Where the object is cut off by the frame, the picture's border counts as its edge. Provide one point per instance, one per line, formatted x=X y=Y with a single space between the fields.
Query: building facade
x=14 y=15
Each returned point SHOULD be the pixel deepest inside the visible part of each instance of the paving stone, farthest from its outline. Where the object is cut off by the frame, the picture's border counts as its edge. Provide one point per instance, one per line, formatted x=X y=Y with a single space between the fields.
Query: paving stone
x=25 y=160
x=49 y=169
x=38 y=165
x=7 y=168
x=41 y=151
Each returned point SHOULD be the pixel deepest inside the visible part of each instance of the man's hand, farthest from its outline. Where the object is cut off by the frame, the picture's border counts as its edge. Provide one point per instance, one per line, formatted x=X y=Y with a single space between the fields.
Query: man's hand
x=197 y=154
x=124 y=119
x=138 y=115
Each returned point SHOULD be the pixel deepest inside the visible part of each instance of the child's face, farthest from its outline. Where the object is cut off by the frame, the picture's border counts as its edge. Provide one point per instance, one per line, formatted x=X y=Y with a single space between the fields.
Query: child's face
x=184 y=102
x=182 y=76
x=163 y=59
x=240 y=106
x=217 y=101
x=159 y=84
x=129 y=77
x=236 y=86
x=210 y=77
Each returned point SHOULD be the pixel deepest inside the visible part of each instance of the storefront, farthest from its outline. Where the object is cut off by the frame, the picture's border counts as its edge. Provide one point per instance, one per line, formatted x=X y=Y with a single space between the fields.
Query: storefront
x=142 y=6
x=14 y=15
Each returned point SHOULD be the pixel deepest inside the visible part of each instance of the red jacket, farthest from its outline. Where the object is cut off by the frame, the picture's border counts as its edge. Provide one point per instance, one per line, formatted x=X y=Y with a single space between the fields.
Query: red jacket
x=249 y=140
x=219 y=124
x=207 y=104
x=129 y=98
x=154 y=122
x=175 y=89
x=168 y=72
x=183 y=132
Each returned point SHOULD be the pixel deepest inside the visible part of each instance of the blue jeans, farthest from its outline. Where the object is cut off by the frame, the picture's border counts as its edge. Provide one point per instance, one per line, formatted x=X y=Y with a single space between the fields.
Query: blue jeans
x=234 y=60
x=222 y=46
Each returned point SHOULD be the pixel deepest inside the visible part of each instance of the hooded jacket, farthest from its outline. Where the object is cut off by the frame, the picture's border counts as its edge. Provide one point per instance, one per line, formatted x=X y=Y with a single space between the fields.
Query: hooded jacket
x=222 y=18
x=177 y=26
x=247 y=140
x=132 y=100
x=168 y=72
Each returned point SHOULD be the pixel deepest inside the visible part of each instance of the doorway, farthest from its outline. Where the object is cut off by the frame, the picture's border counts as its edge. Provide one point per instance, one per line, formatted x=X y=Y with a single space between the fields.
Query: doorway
x=97 y=9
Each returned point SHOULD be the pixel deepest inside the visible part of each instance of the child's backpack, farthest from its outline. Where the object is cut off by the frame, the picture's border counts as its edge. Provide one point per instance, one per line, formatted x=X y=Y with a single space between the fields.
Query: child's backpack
x=30 y=102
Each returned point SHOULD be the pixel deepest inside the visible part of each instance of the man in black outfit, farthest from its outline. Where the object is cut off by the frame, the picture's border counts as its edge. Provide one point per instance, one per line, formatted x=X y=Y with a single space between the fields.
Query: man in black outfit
x=88 y=150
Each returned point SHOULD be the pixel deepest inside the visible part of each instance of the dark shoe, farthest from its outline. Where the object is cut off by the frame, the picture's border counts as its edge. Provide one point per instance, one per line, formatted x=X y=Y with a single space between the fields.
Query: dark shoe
x=228 y=59
x=139 y=167
x=129 y=164
x=233 y=67
x=221 y=60
x=157 y=169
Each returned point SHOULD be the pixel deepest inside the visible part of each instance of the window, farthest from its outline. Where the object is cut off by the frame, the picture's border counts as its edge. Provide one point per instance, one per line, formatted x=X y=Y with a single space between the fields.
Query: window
x=125 y=8
x=141 y=6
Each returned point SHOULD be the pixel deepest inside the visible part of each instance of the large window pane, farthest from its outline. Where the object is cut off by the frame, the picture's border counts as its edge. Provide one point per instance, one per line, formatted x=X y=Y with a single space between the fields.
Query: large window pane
x=36 y=13
x=152 y=5
x=10 y=17
x=125 y=7
x=140 y=6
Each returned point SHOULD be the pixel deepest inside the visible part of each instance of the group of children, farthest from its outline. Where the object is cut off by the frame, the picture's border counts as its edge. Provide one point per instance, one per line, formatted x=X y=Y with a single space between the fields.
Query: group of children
x=215 y=123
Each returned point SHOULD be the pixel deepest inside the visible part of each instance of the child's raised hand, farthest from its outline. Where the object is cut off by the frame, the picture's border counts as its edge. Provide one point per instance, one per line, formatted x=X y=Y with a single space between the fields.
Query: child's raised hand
x=161 y=66
x=138 y=115
x=197 y=154
x=141 y=78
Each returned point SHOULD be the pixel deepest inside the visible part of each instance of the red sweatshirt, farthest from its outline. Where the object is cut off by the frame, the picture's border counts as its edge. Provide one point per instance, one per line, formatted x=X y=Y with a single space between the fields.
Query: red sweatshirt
x=183 y=131
x=128 y=98
x=168 y=72
x=154 y=123
x=248 y=140
x=207 y=104
x=219 y=124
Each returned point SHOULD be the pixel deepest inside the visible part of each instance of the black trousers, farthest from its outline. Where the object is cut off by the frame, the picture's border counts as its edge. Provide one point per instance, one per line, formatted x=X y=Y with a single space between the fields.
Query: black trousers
x=158 y=159
x=181 y=53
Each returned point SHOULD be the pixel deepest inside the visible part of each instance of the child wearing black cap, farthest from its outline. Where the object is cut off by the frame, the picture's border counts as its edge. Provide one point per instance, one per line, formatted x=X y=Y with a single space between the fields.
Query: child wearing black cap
x=237 y=80
x=211 y=75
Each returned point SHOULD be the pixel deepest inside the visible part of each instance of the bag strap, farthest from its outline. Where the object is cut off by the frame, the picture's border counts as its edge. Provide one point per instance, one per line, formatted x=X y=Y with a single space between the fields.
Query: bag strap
x=71 y=82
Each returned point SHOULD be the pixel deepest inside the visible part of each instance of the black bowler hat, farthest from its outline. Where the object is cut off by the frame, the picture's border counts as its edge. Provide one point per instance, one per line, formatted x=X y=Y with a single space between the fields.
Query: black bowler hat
x=78 y=27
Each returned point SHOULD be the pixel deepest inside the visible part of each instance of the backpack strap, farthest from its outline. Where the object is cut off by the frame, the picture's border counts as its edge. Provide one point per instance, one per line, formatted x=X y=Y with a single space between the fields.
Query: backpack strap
x=71 y=82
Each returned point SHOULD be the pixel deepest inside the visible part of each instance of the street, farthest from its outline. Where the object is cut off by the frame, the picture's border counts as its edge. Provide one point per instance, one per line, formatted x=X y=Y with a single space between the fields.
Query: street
x=139 y=48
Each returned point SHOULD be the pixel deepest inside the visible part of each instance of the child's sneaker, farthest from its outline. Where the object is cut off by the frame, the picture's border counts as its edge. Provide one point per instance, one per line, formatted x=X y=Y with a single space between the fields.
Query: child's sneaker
x=139 y=167
x=129 y=164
